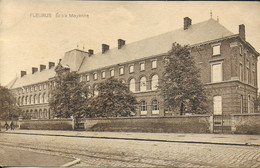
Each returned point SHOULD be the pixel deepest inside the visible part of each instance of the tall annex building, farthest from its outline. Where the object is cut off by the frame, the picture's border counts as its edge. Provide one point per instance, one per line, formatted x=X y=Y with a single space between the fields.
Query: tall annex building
x=227 y=61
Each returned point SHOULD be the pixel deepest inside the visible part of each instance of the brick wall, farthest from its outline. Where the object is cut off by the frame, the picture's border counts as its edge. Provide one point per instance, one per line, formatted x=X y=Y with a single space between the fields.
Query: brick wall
x=53 y=124
x=176 y=124
x=246 y=123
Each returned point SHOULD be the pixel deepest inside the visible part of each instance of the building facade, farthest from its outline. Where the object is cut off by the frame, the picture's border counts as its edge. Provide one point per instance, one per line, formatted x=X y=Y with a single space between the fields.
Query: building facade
x=228 y=65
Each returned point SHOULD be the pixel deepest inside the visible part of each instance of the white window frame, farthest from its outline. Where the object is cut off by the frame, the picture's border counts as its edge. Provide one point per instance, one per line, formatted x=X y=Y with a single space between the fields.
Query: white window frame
x=143 y=112
x=221 y=73
x=103 y=74
x=154 y=66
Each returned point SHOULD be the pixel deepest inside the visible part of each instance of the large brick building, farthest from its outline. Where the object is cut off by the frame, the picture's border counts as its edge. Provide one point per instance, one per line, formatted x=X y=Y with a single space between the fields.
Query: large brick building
x=227 y=61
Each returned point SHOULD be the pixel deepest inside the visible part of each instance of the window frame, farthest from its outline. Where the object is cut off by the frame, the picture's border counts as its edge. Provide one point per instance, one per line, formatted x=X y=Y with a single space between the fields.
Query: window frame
x=221 y=73
x=95 y=76
x=214 y=49
x=140 y=64
x=123 y=70
x=152 y=61
x=103 y=74
x=110 y=72
x=132 y=65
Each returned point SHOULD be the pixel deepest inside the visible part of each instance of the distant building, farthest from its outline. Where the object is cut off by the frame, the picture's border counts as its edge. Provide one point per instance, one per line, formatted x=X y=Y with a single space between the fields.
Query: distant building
x=227 y=61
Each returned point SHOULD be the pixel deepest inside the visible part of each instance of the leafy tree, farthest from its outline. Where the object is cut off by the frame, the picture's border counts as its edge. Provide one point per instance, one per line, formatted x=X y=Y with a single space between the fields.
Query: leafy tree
x=70 y=97
x=8 y=109
x=181 y=86
x=114 y=99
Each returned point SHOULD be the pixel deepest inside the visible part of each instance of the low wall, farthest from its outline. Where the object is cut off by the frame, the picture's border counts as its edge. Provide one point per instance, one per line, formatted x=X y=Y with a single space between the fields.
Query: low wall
x=246 y=123
x=176 y=124
x=2 y=124
x=52 y=124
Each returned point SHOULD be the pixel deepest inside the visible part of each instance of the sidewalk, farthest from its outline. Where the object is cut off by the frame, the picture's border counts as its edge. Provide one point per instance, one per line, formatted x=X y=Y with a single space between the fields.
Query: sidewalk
x=222 y=139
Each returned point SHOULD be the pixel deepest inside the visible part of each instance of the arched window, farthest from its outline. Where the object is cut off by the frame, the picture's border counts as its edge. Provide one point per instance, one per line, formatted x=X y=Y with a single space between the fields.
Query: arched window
x=143 y=108
x=155 y=107
x=154 y=82
x=30 y=99
x=36 y=114
x=22 y=100
x=40 y=113
x=45 y=113
x=19 y=100
x=95 y=91
x=26 y=99
x=43 y=97
x=132 y=85
x=31 y=114
x=39 y=99
x=143 y=84
x=34 y=99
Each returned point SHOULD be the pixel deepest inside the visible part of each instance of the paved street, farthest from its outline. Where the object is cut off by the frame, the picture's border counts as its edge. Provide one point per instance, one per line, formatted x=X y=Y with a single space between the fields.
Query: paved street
x=133 y=153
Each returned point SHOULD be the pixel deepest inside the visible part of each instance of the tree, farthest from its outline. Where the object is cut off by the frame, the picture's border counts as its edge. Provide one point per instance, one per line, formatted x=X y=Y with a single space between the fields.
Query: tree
x=114 y=99
x=181 y=86
x=8 y=108
x=70 y=97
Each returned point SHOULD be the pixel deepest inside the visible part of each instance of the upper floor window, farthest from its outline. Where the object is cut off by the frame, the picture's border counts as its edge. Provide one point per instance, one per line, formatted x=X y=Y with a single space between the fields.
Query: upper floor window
x=40 y=87
x=216 y=72
x=154 y=82
x=216 y=50
x=103 y=74
x=142 y=68
x=44 y=86
x=27 y=90
x=112 y=72
x=240 y=49
x=154 y=64
x=241 y=72
x=247 y=75
x=87 y=78
x=95 y=76
x=31 y=88
x=143 y=84
x=121 y=70
x=132 y=85
x=131 y=68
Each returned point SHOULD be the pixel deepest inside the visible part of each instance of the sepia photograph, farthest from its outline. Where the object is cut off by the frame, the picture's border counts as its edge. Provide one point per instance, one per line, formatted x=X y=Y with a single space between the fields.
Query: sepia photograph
x=129 y=84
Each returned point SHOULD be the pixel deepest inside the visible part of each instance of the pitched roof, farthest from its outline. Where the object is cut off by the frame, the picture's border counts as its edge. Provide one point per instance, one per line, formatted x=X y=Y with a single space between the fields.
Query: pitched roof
x=197 y=33
x=37 y=77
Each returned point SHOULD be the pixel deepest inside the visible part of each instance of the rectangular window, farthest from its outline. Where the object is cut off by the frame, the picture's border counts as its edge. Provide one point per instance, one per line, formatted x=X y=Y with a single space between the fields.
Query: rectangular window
x=112 y=72
x=240 y=72
x=216 y=72
x=87 y=78
x=142 y=68
x=131 y=68
x=240 y=50
x=253 y=78
x=247 y=75
x=95 y=76
x=154 y=64
x=121 y=70
x=216 y=50
x=103 y=74
x=217 y=105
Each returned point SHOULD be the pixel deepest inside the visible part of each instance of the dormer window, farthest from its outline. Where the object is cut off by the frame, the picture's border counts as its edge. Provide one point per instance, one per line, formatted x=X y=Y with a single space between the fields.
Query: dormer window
x=216 y=50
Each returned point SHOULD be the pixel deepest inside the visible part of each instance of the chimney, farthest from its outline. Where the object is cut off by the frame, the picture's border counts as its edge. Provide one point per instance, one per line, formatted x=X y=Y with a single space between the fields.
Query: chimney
x=51 y=64
x=121 y=43
x=42 y=67
x=187 y=23
x=105 y=47
x=90 y=52
x=34 y=70
x=23 y=73
x=242 y=31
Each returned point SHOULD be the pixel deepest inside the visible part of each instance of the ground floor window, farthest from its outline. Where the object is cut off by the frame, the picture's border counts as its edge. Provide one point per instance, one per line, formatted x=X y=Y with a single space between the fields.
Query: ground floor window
x=155 y=107
x=217 y=105
x=143 y=108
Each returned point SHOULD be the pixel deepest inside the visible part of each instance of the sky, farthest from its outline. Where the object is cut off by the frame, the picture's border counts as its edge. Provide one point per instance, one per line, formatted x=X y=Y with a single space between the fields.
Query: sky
x=27 y=41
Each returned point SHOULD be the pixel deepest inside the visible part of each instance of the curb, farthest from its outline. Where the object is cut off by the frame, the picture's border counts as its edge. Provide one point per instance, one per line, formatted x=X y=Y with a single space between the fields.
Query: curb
x=71 y=163
x=138 y=139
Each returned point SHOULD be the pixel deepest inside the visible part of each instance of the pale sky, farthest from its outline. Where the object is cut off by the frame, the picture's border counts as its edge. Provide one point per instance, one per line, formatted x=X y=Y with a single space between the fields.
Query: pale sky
x=27 y=41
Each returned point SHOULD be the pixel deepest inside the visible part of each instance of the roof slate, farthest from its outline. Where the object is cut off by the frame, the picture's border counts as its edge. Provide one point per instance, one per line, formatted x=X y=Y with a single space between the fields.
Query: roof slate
x=160 y=44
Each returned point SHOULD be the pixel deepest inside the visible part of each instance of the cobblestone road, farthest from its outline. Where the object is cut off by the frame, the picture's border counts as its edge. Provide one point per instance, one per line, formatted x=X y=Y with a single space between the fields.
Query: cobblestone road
x=129 y=153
